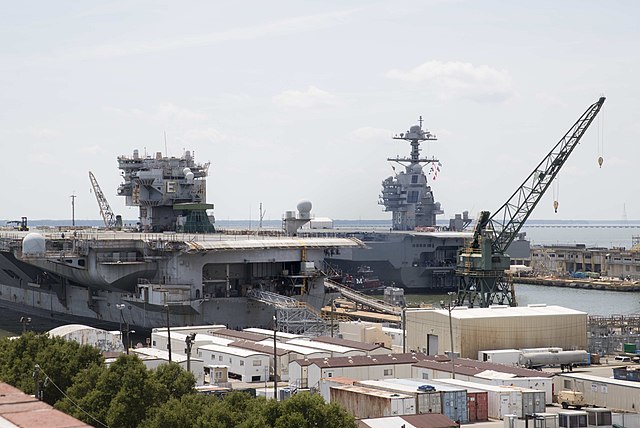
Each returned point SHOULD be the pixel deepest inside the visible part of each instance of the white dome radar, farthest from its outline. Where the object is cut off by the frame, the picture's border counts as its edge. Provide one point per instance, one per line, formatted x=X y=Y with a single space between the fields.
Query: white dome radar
x=304 y=208
x=33 y=244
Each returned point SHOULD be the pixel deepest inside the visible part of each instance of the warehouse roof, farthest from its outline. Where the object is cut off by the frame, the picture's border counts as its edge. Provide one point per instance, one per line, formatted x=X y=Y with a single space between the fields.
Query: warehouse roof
x=500 y=311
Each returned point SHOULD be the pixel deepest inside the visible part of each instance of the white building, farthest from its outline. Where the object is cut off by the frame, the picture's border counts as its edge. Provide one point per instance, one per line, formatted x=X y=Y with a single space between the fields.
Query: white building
x=307 y=373
x=286 y=354
x=245 y=364
x=332 y=349
x=153 y=358
x=495 y=327
x=160 y=338
x=105 y=341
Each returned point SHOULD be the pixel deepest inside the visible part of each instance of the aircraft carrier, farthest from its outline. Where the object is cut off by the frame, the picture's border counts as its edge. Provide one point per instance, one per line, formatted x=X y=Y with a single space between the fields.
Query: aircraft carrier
x=173 y=268
x=415 y=254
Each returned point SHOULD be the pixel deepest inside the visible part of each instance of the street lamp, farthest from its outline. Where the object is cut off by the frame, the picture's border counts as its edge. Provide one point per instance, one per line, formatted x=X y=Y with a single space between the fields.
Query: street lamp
x=120 y=307
x=166 y=305
x=25 y=321
x=189 y=341
x=449 y=307
x=275 y=357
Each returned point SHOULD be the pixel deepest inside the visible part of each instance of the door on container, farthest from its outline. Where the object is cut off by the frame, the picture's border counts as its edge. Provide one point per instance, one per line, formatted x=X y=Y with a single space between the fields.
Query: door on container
x=432 y=344
x=504 y=405
x=472 y=406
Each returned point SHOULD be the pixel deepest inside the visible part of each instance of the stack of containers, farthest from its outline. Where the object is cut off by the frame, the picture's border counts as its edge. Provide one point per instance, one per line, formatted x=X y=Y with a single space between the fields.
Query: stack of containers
x=453 y=398
x=426 y=401
x=505 y=400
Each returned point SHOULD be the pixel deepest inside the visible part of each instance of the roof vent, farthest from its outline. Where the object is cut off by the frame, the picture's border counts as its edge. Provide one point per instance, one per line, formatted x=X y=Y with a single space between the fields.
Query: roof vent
x=498 y=306
x=537 y=305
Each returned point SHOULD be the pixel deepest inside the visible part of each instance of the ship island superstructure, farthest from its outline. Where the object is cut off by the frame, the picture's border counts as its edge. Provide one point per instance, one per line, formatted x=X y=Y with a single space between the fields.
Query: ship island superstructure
x=407 y=195
x=181 y=276
x=171 y=192
x=414 y=253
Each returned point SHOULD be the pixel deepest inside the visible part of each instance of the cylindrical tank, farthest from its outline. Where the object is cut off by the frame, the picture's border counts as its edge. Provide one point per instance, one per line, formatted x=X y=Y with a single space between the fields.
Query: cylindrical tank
x=540 y=359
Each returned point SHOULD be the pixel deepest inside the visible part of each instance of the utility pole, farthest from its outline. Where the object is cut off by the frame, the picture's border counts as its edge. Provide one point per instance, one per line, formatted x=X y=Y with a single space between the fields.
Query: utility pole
x=120 y=307
x=275 y=357
x=449 y=307
x=73 y=209
x=36 y=377
x=189 y=341
x=166 y=305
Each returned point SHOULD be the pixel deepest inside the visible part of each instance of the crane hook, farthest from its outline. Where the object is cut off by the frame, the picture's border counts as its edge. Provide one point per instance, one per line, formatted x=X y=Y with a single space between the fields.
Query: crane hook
x=600 y=160
x=555 y=206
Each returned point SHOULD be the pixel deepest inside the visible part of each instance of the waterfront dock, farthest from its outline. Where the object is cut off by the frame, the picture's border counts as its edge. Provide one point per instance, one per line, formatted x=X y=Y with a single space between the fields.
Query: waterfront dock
x=583 y=283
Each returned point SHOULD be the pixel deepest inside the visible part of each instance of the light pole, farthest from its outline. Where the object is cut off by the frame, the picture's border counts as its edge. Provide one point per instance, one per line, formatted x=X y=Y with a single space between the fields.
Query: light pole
x=275 y=357
x=189 y=341
x=449 y=307
x=120 y=307
x=166 y=305
x=25 y=321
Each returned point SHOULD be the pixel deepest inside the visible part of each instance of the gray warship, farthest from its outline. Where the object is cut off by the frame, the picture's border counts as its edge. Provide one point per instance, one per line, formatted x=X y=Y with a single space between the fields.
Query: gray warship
x=415 y=253
x=174 y=268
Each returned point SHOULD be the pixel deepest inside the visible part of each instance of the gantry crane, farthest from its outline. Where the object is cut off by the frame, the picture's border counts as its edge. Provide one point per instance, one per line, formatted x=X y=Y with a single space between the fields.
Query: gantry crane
x=109 y=218
x=482 y=263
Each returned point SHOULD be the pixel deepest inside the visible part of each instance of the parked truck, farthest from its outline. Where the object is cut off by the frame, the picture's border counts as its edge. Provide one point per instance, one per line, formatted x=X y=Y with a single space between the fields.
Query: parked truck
x=566 y=360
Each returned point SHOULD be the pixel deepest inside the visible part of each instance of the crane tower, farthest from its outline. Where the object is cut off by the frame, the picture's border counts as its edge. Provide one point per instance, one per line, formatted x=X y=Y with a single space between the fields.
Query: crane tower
x=482 y=263
x=111 y=221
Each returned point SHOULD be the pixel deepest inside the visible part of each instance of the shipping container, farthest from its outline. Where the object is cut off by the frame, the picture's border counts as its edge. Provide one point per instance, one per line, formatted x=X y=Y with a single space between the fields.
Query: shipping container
x=327 y=382
x=426 y=401
x=572 y=419
x=501 y=400
x=533 y=401
x=629 y=348
x=538 y=383
x=626 y=373
x=599 y=418
x=509 y=357
x=453 y=398
x=372 y=403
x=477 y=405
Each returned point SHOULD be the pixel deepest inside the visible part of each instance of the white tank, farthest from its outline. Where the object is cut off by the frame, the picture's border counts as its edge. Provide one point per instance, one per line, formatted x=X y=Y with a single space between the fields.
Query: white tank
x=33 y=244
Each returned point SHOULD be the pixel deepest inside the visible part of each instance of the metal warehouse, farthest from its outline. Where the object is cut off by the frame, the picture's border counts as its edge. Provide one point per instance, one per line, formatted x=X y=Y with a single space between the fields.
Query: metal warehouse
x=496 y=327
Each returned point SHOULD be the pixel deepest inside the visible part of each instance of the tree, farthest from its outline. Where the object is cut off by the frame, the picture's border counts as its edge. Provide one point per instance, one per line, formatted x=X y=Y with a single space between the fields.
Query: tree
x=239 y=410
x=125 y=393
x=58 y=359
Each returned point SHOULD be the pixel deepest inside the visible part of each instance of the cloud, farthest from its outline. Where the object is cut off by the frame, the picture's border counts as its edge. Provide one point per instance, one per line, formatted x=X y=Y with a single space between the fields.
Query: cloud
x=295 y=25
x=371 y=134
x=165 y=112
x=459 y=80
x=311 y=98
x=92 y=150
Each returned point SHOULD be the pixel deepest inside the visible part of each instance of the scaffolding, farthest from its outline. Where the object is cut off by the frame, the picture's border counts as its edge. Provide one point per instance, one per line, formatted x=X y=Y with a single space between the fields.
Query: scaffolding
x=607 y=335
x=293 y=315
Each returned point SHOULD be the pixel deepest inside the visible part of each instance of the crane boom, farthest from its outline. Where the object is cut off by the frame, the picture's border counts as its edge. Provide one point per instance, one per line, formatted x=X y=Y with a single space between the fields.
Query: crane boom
x=507 y=221
x=105 y=210
x=481 y=265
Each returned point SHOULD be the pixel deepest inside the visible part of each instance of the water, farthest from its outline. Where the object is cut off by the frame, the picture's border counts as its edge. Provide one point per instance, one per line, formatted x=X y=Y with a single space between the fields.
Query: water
x=593 y=302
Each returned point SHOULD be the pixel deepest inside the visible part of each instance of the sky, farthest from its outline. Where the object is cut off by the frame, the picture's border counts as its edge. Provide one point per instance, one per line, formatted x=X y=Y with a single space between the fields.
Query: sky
x=293 y=100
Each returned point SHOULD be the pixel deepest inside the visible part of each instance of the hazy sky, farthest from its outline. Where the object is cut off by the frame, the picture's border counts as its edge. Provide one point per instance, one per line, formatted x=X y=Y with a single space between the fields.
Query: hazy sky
x=298 y=99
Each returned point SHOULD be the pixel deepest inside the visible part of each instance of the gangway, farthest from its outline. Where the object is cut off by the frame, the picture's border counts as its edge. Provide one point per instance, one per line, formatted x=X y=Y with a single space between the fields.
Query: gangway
x=293 y=315
x=363 y=299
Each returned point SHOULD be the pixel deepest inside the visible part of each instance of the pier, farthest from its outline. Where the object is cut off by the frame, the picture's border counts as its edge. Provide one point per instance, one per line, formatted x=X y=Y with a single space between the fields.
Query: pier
x=587 y=284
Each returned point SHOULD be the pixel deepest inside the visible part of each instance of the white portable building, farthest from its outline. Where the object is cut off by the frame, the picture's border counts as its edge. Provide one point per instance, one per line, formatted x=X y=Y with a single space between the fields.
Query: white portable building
x=245 y=364
x=332 y=349
x=153 y=358
x=500 y=356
